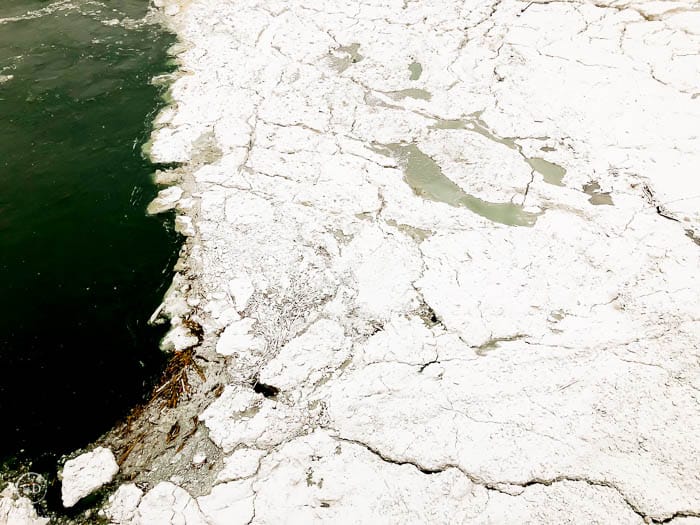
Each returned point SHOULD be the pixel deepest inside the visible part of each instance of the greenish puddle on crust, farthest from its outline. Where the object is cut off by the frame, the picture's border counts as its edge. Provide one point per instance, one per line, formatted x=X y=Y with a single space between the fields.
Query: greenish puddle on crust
x=426 y=179
x=351 y=56
x=449 y=124
x=552 y=173
x=558 y=315
x=420 y=94
x=597 y=197
x=416 y=70
x=495 y=343
x=476 y=125
x=206 y=150
x=417 y=234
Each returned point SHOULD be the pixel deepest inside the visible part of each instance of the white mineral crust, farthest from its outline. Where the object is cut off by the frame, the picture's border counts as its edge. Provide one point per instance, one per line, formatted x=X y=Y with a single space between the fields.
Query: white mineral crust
x=476 y=288
x=18 y=510
x=123 y=503
x=166 y=200
x=85 y=474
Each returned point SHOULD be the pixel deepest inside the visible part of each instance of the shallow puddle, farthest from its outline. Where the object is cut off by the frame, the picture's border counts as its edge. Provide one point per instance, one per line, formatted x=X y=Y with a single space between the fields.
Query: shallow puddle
x=449 y=124
x=597 y=197
x=416 y=70
x=349 y=55
x=552 y=173
x=420 y=94
x=476 y=125
x=426 y=179
x=417 y=234
x=495 y=343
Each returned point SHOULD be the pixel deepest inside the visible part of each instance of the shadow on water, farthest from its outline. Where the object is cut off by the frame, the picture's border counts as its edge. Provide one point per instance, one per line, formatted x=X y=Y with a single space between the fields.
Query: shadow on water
x=81 y=265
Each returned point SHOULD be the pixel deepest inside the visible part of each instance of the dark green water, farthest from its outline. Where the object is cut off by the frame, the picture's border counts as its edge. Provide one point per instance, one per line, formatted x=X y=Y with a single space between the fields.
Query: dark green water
x=81 y=266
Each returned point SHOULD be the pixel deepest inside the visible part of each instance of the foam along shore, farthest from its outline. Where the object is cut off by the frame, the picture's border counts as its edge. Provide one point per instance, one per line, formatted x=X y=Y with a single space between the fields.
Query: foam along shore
x=373 y=335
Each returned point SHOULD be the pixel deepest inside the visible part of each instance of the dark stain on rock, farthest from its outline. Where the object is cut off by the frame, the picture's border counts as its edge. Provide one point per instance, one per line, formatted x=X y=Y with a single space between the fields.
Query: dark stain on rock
x=268 y=391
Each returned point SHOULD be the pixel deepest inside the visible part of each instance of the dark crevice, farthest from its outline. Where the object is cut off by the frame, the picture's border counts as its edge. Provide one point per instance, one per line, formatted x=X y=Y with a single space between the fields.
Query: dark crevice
x=428 y=315
x=501 y=486
x=268 y=391
x=665 y=214
x=426 y=365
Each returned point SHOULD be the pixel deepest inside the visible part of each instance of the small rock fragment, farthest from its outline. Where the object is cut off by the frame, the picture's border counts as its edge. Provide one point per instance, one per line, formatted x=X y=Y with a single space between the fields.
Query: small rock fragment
x=86 y=473
x=177 y=339
x=18 y=510
x=242 y=463
x=242 y=289
x=123 y=503
x=184 y=226
x=166 y=200
x=168 y=503
x=238 y=337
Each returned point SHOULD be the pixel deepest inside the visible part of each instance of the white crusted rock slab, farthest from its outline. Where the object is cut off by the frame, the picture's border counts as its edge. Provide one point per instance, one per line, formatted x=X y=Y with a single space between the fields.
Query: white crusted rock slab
x=122 y=505
x=229 y=503
x=445 y=257
x=242 y=417
x=177 y=339
x=166 y=200
x=322 y=479
x=85 y=474
x=18 y=510
x=307 y=359
x=238 y=337
x=168 y=503
x=243 y=463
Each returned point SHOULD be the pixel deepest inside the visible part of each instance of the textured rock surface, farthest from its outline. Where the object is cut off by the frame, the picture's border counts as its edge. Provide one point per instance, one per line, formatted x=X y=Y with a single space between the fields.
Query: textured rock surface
x=465 y=292
x=18 y=510
x=85 y=474
x=122 y=505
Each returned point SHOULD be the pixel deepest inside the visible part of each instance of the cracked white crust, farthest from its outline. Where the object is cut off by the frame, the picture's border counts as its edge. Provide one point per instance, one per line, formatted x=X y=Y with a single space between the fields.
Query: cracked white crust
x=435 y=366
x=86 y=473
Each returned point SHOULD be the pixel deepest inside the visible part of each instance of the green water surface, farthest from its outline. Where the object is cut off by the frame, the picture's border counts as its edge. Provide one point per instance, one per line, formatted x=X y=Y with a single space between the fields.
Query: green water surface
x=81 y=265
x=426 y=179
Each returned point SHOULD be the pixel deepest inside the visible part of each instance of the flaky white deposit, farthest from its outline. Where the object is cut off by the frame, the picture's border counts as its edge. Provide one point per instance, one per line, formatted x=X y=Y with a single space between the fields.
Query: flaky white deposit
x=473 y=285
x=16 y=509
x=86 y=473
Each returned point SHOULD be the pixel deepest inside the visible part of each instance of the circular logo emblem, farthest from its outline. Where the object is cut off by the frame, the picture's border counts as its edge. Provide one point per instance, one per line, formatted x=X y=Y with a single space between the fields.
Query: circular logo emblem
x=33 y=486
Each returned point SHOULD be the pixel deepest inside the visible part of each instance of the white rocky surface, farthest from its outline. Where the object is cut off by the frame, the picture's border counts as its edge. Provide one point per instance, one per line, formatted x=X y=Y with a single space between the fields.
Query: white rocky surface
x=86 y=473
x=18 y=510
x=168 y=503
x=454 y=247
x=166 y=200
x=178 y=339
x=122 y=505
